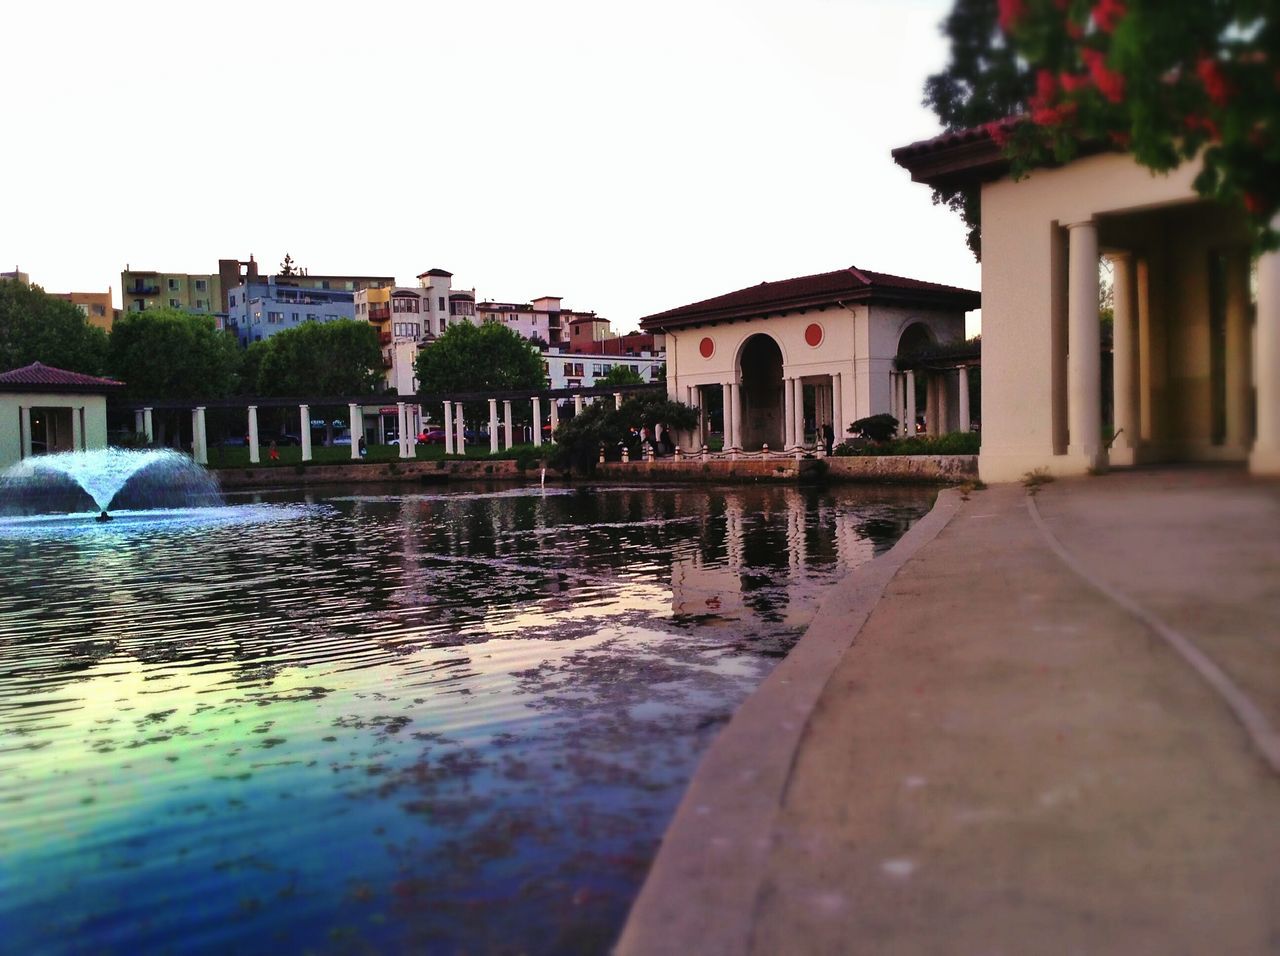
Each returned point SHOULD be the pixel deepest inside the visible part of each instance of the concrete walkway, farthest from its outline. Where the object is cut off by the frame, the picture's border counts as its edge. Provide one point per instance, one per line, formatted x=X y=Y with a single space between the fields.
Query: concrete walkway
x=977 y=750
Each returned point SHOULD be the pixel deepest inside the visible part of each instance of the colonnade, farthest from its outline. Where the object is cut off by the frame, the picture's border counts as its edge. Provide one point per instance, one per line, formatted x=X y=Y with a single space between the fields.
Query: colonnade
x=937 y=408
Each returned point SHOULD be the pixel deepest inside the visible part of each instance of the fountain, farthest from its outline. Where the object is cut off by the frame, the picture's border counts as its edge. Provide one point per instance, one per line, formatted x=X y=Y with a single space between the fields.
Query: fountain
x=105 y=480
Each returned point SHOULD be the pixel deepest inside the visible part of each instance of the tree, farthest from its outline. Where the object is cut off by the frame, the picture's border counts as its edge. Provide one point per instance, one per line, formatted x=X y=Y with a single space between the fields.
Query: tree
x=38 y=327
x=338 y=358
x=578 y=441
x=1166 y=86
x=287 y=268
x=479 y=358
x=984 y=81
x=165 y=353
x=621 y=375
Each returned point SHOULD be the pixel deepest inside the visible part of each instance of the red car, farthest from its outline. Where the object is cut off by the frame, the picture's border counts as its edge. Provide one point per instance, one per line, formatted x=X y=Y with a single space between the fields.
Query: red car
x=431 y=436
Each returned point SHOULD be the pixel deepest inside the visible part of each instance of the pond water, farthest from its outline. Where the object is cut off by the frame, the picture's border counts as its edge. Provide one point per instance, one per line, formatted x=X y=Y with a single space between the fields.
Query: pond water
x=389 y=722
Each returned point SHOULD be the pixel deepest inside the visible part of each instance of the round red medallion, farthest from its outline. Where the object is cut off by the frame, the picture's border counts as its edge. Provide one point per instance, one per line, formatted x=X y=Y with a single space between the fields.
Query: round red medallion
x=707 y=348
x=813 y=334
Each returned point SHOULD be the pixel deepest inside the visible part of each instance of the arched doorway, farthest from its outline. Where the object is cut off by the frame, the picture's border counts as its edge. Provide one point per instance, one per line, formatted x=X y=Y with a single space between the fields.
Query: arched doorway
x=760 y=364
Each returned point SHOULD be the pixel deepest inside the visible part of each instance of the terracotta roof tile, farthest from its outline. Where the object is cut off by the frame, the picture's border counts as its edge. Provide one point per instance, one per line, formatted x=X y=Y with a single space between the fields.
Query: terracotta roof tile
x=46 y=376
x=825 y=288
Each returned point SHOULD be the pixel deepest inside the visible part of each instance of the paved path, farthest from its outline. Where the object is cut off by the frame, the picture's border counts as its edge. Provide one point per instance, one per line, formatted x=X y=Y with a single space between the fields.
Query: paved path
x=1005 y=760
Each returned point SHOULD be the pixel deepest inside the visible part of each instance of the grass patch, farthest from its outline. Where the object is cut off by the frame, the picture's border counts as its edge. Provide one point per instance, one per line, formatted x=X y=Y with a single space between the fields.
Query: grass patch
x=1034 y=480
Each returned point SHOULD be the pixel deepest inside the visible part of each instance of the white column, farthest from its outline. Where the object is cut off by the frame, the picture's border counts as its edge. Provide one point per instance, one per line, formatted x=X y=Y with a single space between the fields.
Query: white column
x=1238 y=349
x=147 y=424
x=75 y=430
x=200 y=437
x=837 y=408
x=1265 y=457
x=448 y=428
x=460 y=437
x=1084 y=372
x=493 y=426
x=617 y=400
x=304 y=423
x=577 y=405
x=537 y=421
x=24 y=423
x=726 y=425
x=402 y=426
x=138 y=426
x=735 y=391
x=965 y=423
x=788 y=415
x=1124 y=361
x=797 y=408
x=507 y=438
x=555 y=417
x=254 y=454
x=910 y=423
x=943 y=391
x=356 y=414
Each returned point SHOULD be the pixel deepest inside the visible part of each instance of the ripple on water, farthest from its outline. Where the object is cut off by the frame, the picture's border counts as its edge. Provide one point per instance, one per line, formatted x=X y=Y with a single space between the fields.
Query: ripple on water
x=394 y=722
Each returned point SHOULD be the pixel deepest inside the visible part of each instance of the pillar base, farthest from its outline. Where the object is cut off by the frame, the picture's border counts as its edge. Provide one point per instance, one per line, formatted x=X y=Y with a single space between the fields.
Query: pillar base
x=1265 y=461
x=1122 y=456
x=1086 y=460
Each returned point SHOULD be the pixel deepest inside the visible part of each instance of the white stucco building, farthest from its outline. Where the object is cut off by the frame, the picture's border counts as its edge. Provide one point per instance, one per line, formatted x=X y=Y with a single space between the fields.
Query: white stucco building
x=789 y=359
x=1196 y=377
x=44 y=410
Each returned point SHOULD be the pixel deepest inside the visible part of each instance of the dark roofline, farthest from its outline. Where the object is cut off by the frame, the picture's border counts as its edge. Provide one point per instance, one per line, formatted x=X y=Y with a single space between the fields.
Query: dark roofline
x=28 y=379
x=870 y=290
x=434 y=272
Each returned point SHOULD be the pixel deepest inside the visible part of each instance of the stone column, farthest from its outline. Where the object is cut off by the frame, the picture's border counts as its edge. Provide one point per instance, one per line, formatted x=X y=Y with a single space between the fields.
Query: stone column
x=24 y=423
x=304 y=424
x=200 y=436
x=138 y=427
x=910 y=423
x=460 y=438
x=1124 y=362
x=493 y=426
x=147 y=424
x=617 y=400
x=943 y=391
x=1146 y=373
x=402 y=426
x=788 y=415
x=837 y=408
x=76 y=434
x=356 y=414
x=726 y=395
x=1265 y=457
x=1238 y=350
x=448 y=428
x=555 y=417
x=735 y=390
x=965 y=422
x=254 y=454
x=537 y=421
x=577 y=405
x=1084 y=363
x=508 y=439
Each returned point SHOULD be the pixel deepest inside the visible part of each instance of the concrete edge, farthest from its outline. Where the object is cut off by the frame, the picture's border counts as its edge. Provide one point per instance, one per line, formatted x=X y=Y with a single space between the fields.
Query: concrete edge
x=701 y=890
x=1262 y=735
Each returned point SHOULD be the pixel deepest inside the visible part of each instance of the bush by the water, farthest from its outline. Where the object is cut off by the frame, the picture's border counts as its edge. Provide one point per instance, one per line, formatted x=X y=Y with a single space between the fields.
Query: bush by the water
x=578 y=441
x=875 y=427
x=956 y=443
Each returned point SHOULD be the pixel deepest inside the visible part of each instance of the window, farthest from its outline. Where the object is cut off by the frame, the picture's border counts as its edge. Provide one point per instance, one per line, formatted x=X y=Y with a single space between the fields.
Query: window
x=311 y=317
x=443 y=323
x=275 y=318
x=202 y=285
x=174 y=303
x=231 y=300
x=331 y=318
x=173 y=285
x=404 y=304
x=293 y=316
x=99 y=310
x=200 y=303
x=410 y=330
x=597 y=369
x=441 y=303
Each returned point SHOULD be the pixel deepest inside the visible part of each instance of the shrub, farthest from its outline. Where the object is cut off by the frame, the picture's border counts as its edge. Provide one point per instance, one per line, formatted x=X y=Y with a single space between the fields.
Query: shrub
x=876 y=427
x=956 y=443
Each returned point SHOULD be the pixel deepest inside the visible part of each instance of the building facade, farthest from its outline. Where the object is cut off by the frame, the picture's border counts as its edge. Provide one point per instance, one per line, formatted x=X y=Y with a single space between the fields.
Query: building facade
x=566 y=369
x=792 y=361
x=44 y=410
x=1196 y=341
x=257 y=310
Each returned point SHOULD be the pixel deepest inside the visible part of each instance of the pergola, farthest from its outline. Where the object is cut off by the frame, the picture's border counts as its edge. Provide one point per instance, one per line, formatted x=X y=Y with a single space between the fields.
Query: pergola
x=936 y=365
x=453 y=405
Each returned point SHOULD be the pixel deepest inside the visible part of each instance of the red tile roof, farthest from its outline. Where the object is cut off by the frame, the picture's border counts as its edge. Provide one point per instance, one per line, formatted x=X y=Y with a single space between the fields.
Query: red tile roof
x=48 y=378
x=815 y=291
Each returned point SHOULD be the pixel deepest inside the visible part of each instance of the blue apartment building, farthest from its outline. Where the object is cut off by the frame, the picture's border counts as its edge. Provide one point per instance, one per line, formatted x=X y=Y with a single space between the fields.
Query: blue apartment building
x=257 y=310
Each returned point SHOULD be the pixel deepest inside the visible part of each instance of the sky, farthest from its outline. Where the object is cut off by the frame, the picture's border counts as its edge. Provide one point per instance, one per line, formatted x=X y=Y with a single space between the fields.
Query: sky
x=628 y=157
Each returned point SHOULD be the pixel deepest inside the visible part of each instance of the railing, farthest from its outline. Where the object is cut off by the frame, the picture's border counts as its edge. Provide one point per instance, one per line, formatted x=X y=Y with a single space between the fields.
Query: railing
x=379 y=315
x=384 y=338
x=140 y=289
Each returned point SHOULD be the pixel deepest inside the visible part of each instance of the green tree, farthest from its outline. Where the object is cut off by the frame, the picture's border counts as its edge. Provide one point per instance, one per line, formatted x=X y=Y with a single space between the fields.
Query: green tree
x=984 y=81
x=338 y=358
x=165 y=353
x=621 y=375
x=479 y=358
x=1167 y=85
x=578 y=441
x=37 y=327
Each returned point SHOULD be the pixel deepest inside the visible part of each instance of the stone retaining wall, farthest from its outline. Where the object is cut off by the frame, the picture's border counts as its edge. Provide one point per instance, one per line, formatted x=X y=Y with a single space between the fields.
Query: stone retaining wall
x=424 y=471
x=952 y=469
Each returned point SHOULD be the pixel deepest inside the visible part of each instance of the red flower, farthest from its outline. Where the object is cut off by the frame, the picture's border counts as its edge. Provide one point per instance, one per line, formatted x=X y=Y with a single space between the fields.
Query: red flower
x=997 y=131
x=1072 y=82
x=1108 y=13
x=1044 y=115
x=1195 y=123
x=1046 y=86
x=1109 y=82
x=1215 y=83
x=1253 y=204
x=1074 y=30
x=1011 y=11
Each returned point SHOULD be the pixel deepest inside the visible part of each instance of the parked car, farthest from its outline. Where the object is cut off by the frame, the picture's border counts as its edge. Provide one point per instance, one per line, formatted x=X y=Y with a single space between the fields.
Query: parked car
x=432 y=436
x=282 y=440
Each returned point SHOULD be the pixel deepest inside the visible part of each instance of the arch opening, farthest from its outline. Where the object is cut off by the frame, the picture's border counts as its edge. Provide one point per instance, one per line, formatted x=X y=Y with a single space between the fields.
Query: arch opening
x=760 y=367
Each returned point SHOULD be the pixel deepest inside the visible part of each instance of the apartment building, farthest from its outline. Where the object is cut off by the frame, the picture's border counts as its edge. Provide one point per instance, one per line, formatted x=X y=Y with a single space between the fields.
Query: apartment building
x=581 y=370
x=543 y=318
x=257 y=310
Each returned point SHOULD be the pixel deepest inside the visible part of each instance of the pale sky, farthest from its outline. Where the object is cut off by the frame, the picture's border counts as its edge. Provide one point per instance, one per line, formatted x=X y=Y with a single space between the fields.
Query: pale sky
x=628 y=157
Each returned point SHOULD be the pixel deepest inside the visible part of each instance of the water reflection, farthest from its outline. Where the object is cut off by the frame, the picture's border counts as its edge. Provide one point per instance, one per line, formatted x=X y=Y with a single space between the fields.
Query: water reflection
x=385 y=722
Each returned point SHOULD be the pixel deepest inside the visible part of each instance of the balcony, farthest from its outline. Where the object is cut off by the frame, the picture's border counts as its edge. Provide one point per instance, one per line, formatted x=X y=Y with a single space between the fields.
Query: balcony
x=379 y=315
x=140 y=288
x=384 y=338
